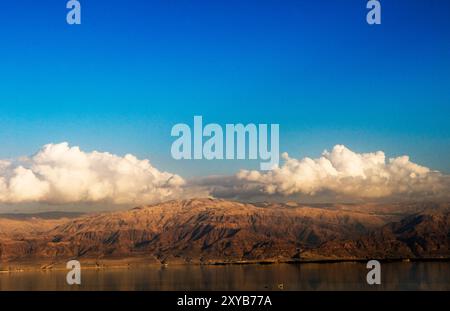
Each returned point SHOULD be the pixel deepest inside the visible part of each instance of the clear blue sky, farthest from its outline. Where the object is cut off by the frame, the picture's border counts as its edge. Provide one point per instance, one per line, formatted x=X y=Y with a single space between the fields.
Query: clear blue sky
x=119 y=81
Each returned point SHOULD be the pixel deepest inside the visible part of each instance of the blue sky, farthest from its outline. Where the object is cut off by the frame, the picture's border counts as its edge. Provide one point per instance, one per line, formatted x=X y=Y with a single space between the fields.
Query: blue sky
x=133 y=69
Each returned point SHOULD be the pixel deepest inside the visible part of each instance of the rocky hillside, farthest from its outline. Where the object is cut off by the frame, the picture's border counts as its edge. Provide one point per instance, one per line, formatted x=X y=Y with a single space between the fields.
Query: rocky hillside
x=210 y=230
x=421 y=235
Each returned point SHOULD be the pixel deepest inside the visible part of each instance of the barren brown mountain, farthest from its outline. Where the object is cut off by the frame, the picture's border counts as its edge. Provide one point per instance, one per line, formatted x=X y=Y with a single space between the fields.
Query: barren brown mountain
x=212 y=230
x=421 y=235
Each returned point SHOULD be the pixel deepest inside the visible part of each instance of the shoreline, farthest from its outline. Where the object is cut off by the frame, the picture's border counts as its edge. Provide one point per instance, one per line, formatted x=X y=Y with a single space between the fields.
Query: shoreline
x=109 y=264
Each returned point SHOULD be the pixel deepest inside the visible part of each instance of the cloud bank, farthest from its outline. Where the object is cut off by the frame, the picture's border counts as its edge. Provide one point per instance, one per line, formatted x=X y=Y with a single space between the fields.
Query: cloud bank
x=348 y=174
x=60 y=174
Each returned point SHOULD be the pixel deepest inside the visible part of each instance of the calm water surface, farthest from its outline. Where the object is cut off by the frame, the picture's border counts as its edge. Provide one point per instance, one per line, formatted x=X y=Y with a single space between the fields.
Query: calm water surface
x=327 y=276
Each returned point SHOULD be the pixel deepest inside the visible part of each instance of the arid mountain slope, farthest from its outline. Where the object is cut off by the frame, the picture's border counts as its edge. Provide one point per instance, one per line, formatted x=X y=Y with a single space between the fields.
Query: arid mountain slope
x=210 y=230
x=421 y=235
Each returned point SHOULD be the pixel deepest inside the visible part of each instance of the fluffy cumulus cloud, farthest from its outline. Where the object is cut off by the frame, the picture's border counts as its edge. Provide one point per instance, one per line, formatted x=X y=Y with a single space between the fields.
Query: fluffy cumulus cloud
x=351 y=175
x=59 y=173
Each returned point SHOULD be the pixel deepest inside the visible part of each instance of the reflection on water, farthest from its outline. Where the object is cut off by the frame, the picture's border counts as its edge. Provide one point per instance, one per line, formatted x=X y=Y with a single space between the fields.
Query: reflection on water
x=327 y=276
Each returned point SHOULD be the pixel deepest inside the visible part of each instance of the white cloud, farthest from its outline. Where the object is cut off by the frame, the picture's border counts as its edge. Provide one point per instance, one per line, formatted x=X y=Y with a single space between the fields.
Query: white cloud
x=349 y=174
x=59 y=173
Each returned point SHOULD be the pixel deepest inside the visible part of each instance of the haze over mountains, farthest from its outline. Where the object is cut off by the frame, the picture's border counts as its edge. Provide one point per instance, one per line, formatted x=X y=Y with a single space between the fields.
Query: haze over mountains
x=220 y=231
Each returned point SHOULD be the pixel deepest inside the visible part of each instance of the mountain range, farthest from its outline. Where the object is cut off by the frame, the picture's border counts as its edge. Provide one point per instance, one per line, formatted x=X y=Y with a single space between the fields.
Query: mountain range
x=206 y=231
